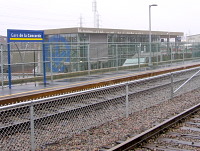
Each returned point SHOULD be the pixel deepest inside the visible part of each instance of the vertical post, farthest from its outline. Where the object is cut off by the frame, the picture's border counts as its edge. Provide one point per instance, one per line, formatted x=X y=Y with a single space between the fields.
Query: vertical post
x=2 y=74
x=51 y=63
x=150 y=63
x=127 y=103
x=149 y=35
x=139 y=51
x=117 y=57
x=88 y=57
x=172 y=86
x=183 y=56
x=171 y=48
x=9 y=67
x=34 y=67
x=78 y=55
x=44 y=64
x=32 y=128
x=157 y=53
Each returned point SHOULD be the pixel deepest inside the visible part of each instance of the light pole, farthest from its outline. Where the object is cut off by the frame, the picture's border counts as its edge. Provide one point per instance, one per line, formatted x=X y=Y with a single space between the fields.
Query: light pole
x=150 y=63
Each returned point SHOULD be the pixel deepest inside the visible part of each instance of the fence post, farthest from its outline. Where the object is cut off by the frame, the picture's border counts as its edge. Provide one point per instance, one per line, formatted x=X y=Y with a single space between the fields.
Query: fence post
x=172 y=86
x=171 y=48
x=139 y=51
x=51 y=63
x=9 y=67
x=44 y=64
x=2 y=74
x=183 y=56
x=127 y=103
x=157 y=53
x=32 y=127
x=117 y=58
x=88 y=58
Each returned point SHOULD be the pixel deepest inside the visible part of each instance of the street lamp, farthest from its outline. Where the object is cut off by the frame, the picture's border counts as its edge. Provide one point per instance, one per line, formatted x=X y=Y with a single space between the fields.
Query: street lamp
x=150 y=63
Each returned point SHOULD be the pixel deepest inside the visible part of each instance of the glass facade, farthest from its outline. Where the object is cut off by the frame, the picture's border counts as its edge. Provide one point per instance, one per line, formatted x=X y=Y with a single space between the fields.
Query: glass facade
x=72 y=50
x=127 y=46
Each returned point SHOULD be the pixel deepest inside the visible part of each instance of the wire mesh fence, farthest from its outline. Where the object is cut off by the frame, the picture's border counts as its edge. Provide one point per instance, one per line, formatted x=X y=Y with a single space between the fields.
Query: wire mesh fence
x=77 y=118
x=183 y=83
x=80 y=59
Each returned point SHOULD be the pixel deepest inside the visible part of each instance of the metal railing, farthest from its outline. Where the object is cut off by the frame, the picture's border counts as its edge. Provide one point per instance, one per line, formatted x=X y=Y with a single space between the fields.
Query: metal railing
x=38 y=124
x=89 y=58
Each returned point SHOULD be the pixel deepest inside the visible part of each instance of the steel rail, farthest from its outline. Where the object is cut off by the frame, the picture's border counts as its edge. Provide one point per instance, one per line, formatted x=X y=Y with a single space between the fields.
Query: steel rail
x=92 y=90
x=146 y=135
x=100 y=83
x=49 y=117
x=43 y=100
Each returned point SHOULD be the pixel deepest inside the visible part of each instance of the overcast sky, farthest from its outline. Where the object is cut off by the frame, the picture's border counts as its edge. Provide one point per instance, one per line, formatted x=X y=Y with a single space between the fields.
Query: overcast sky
x=169 y=15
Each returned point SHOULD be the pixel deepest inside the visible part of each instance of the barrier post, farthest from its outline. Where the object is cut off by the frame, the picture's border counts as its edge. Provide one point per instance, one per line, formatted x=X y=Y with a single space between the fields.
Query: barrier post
x=139 y=51
x=172 y=86
x=117 y=57
x=51 y=63
x=127 y=102
x=88 y=59
x=2 y=74
x=44 y=64
x=9 y=68
x=32 y=128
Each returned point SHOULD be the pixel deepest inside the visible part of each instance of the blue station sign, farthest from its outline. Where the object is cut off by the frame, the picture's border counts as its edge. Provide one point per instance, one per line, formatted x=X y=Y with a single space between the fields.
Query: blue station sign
x=25 y=35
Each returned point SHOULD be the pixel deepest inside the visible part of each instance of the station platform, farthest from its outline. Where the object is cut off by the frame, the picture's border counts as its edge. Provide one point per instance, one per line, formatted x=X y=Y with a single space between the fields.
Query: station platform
x=28 y=91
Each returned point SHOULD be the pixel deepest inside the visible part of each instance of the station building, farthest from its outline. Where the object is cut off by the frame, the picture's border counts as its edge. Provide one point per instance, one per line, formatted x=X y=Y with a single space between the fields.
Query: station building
x=102 y=47
x=81 y=34
x=79 y=49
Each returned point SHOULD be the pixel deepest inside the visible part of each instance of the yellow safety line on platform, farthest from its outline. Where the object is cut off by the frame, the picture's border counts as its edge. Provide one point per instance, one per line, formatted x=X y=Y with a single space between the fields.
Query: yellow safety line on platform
x=63 y=86
x=96 y=80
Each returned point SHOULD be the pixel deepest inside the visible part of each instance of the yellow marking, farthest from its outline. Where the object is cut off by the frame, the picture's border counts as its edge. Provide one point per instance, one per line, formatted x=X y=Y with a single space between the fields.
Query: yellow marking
x=26 y=39
x=96 y=80
x=51 y=88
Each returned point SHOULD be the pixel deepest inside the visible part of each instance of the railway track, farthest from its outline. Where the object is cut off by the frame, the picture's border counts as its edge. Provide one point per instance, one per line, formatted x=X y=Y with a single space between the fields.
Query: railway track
x=179 y=133
x=85 y=86
x=55 y=106
x=66 y=108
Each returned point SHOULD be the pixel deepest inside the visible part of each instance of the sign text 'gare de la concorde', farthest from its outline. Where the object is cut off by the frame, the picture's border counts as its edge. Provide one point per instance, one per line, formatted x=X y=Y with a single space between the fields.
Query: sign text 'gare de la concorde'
x=14 y=35
x=25 y=35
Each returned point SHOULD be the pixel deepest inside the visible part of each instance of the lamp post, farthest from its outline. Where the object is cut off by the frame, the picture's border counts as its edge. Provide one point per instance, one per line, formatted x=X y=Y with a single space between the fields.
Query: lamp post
x=150 y=63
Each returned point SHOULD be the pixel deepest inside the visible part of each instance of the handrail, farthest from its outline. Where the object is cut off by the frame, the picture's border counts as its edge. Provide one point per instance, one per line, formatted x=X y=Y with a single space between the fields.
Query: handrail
x=186 y=81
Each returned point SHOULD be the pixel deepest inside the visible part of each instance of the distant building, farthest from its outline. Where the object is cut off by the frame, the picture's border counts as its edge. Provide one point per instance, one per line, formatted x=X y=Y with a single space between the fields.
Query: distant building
x=3 y=39
x=193 y=38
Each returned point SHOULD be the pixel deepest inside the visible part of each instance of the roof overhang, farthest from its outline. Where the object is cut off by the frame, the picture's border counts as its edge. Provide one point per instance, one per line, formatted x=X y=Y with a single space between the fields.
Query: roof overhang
x=162 y=34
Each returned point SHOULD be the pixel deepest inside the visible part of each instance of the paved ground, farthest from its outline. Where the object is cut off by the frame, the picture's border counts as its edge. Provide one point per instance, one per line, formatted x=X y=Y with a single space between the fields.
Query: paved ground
x=69 y=82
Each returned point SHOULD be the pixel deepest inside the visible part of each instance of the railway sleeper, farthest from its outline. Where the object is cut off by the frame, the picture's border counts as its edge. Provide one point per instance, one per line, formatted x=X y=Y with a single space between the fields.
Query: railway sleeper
x=175 y=141
x=163 y=148
x=175 y=134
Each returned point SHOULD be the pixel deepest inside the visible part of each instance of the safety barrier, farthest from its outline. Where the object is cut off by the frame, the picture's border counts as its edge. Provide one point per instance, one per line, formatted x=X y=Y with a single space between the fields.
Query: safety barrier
x=80 y=59
x=75 y=118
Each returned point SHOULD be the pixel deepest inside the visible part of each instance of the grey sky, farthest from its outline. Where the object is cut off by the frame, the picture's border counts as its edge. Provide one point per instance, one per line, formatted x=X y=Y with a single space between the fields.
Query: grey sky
x=169 y=15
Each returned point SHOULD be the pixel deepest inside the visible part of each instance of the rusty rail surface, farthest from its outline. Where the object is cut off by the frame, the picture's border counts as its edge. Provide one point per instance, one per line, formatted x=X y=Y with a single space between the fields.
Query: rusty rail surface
x=145 y=136
x=93 y=84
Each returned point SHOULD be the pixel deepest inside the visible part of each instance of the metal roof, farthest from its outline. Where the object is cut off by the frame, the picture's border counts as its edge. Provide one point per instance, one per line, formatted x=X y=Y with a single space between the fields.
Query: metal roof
x=75 y=30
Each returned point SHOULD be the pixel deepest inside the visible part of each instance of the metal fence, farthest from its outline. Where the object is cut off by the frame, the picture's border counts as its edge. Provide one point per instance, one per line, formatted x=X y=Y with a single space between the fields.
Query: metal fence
x=67 y=59
x=63 y=59
x=76 y=119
